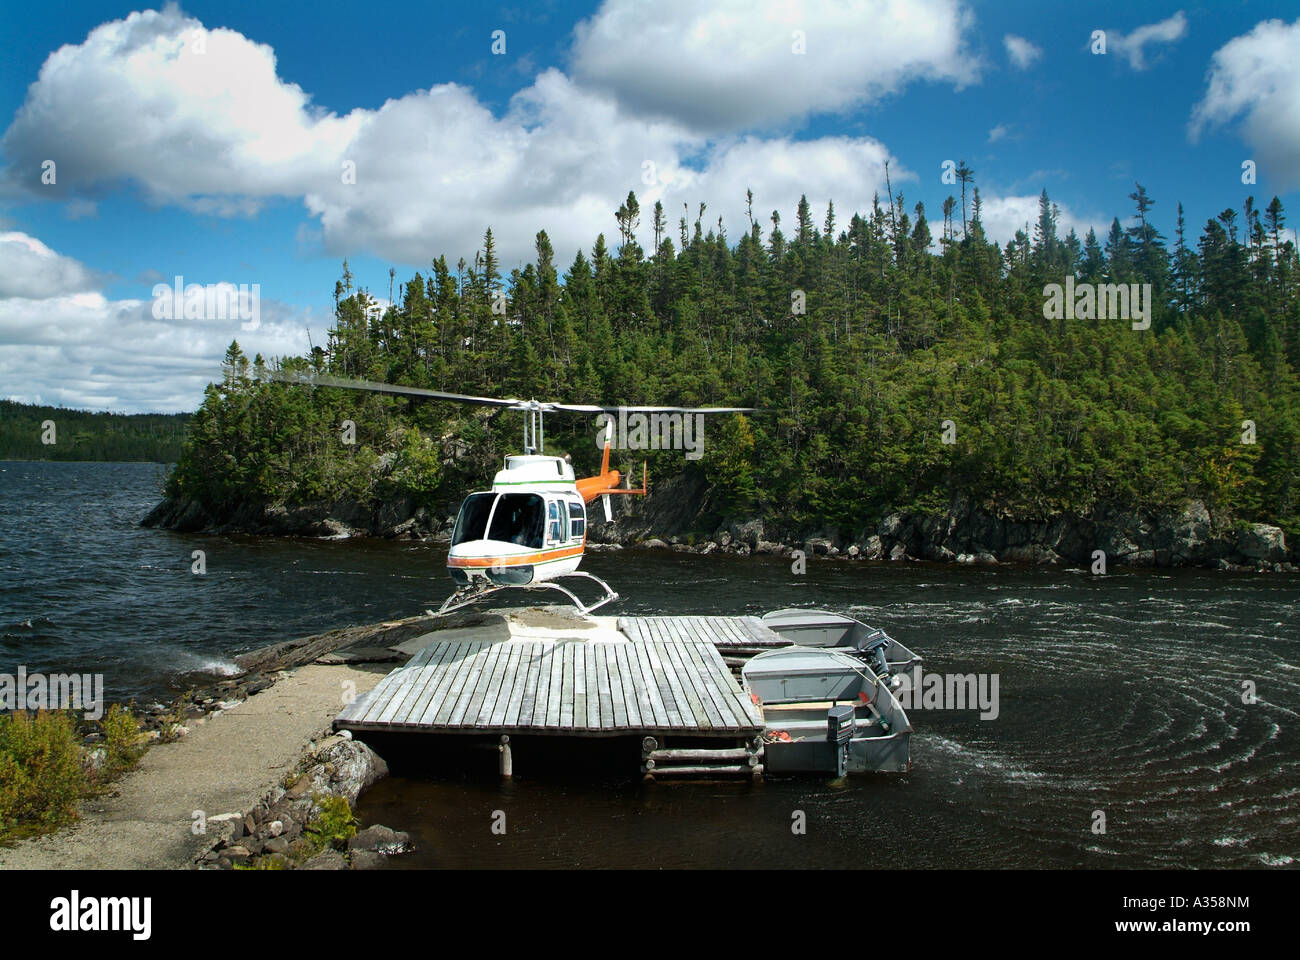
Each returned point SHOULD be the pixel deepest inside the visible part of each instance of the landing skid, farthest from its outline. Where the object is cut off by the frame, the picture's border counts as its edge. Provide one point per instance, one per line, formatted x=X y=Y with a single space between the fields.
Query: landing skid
x=464 y=596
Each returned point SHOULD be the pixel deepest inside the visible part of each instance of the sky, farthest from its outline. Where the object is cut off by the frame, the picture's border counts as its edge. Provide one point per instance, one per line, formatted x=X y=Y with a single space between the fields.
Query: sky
x=244 y=143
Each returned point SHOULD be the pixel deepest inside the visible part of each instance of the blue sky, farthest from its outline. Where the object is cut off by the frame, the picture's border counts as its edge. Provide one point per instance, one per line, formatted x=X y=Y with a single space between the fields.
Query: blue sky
x=220 y=163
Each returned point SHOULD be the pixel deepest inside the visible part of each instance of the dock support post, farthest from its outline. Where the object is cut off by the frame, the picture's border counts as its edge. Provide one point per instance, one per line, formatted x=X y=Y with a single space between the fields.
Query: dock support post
x=507 y=761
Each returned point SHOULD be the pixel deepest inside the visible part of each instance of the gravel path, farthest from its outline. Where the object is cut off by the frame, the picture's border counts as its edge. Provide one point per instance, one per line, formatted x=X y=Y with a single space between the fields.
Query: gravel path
x=224 y=765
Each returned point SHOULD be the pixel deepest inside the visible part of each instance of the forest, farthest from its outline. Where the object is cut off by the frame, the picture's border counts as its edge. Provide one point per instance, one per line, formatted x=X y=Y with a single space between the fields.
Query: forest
x=894 y=369
x=82 y=435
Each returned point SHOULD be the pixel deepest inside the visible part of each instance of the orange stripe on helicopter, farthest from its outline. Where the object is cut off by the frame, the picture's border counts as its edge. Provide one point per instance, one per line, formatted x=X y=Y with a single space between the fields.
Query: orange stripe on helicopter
x=517 y=560
x=589 y=488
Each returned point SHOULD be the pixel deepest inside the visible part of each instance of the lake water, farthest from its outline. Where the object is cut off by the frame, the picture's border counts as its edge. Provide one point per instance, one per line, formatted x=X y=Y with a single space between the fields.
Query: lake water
x=1120 y=694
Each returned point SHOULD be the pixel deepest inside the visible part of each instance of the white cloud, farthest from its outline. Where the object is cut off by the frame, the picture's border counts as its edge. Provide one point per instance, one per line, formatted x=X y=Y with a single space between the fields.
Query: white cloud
x=62 y=342
x=1257 y=76
x=28 y=268
x=1003 y=216
x=219 y=132
x=216 y=131
x=1133 y=45
x=731 y=65
x=1021 y=52
x=998 y=132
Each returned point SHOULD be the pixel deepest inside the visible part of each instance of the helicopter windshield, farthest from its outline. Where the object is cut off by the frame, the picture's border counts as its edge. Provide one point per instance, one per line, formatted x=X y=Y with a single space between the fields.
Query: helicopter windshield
x=472 y=522
x=519 y=518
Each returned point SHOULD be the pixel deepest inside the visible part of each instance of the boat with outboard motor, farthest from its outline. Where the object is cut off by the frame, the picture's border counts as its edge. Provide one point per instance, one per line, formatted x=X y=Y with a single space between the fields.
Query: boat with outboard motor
x=828 y=701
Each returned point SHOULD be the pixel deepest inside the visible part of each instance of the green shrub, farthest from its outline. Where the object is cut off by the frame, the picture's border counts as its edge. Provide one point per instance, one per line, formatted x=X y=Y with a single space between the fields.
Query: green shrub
x=332 y=827
x=122 y=741
x=42 y=774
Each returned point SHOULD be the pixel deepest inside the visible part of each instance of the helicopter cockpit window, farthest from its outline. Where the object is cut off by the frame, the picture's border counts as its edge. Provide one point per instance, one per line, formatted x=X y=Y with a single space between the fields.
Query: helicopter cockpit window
x=472 y=522
x=518 y=519
x=556 y=532
x=577 y=520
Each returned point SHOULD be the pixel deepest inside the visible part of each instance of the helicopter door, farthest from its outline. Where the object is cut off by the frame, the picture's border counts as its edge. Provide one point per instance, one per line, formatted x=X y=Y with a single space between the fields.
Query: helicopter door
x=554 y=528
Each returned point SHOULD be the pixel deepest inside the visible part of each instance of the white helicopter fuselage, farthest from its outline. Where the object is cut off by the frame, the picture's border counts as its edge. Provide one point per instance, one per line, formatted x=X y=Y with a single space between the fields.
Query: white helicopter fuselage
x=529 y=528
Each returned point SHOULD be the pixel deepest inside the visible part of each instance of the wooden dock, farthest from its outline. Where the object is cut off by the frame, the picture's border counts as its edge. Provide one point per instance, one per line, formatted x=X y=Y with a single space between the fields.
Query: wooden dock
x=649 y=677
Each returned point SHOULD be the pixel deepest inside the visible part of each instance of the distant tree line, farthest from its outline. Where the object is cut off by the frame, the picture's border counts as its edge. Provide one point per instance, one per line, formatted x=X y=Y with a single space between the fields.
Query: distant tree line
x=898 y=371
x=83 y=435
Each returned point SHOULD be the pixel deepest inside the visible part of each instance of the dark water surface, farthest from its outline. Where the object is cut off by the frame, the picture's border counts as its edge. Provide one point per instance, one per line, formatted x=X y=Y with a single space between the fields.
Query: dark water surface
x=1120 y=694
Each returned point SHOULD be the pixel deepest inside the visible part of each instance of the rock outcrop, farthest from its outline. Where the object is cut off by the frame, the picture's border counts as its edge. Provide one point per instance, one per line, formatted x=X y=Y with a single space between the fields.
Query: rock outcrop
x=676 y=512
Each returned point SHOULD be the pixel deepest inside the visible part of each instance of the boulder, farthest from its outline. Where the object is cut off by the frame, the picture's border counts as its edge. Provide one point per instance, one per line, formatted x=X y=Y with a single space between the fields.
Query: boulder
x=1034 y=553
x=818 y=546
x=326 y=860
x=891 y=526
x=750 y=532
x=1260 y=541
x=380 y=839
x=345 y=768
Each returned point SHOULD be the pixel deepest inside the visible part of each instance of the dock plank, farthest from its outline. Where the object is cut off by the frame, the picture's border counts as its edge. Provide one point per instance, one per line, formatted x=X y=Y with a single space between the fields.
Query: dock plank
x=522 y=705
x=464 y=671
x=467 y=710
x=413 y=684
x=451 y=668
x=493 y=711
x=684 y=671
x=706 y=685
x=673 y=698
x=650 y=684
x=613 y=677
x=415 y=709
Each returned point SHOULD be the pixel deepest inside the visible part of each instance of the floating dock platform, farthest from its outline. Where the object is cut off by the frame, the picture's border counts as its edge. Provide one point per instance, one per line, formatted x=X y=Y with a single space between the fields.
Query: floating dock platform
x=539 y=672
x=706 y=696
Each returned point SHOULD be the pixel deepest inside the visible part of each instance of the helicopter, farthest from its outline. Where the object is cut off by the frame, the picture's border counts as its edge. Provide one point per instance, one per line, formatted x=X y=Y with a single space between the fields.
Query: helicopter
x=529 y=531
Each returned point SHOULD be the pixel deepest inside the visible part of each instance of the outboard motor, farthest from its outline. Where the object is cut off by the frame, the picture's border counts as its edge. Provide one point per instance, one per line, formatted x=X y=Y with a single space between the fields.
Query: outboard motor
x=839 y=731
x=872 y=649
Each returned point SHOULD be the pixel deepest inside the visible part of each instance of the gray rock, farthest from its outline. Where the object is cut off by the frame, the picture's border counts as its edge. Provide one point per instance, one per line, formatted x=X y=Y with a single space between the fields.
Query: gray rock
x=1031 y=553
x=380 y=839
x=277 y=845
x=818 y=545
x=749 y=532
x=326 y=860
x=366 y=860
x=345 y=768
x=1261 y=541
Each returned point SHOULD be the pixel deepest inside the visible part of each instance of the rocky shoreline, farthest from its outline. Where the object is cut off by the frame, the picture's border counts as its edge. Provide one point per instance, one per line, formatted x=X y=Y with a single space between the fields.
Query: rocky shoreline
x=966 y=533
x=304 y=820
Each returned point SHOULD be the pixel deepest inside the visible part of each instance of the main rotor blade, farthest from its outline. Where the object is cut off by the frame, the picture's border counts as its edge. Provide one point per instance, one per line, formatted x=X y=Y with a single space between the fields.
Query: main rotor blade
x=594 y=408
x=328 y=380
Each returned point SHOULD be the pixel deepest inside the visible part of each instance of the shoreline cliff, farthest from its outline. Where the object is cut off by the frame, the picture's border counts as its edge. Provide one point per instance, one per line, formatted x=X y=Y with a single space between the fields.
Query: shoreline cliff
x=672 y=518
